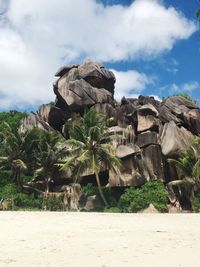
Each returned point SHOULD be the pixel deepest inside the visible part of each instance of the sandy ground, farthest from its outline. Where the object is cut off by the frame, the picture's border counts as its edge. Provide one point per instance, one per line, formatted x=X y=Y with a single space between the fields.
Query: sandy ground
x=95 y=239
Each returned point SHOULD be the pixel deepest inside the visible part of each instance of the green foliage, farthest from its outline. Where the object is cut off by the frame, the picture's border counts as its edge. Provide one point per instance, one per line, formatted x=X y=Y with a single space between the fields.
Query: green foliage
x=53 y=204
x=196 y=203
x=90 y=190
x=12 y=118
x=8 y=191
x=22 y=200
x=4 y=177
x=189 y=161
x=50 y=152
x=134 y=200
x=89 y=147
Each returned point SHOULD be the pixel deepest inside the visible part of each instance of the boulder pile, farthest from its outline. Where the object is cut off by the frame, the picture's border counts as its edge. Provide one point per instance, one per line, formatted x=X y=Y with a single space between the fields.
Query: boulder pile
x=152 y=131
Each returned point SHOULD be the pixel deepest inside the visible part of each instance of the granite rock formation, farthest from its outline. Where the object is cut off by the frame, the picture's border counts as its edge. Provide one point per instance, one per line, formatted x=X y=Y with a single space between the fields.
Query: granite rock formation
x=151 y=131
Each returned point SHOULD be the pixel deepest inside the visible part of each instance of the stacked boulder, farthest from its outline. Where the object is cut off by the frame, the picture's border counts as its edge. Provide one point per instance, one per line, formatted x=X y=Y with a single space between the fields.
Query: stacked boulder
x=152 y=131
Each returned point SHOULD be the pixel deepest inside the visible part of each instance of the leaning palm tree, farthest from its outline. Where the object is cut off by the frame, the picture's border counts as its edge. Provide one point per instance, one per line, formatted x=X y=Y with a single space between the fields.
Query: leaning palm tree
x=89 y=147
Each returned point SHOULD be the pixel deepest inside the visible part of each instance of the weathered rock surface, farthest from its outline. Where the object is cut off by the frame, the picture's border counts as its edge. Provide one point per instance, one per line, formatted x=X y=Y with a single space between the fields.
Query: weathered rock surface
x=123 y=151
x=147 y=138
x=32 y=121
x=150 y=209
x=153 y=159
x=79 y=94
x=84 y=85
x=148 y=122
x=174 y=138
x=192 y=119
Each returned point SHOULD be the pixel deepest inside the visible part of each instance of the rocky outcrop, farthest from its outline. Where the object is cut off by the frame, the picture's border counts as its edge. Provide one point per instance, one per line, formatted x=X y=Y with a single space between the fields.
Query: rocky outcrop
x=147 y=131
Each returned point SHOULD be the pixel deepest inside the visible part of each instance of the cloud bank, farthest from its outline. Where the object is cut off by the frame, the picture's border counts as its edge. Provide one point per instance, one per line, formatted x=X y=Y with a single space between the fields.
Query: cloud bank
x=36 y=37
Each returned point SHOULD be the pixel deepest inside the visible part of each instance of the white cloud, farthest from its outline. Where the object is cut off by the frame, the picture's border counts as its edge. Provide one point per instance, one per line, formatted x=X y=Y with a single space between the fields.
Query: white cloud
x=191 y=86
x=182 y=88
x=35 y=37
x=130 y=83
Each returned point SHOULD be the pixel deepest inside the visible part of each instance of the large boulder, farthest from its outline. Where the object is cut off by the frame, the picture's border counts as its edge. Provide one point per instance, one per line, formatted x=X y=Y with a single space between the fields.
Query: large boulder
x=179 y=104
x=166 y=115
x=108 y=110
x=43 y=111
x=148 y=122
x=133 y=171
x=143 y=100
x=192 y=119
x=147 y=138
x=154 y=162
x=148 y=109
x=174 y=138
x=96 y=75
x=81 y=86
x=147 y=118
x=34 y=121
x=79 y=94
x=127 y=150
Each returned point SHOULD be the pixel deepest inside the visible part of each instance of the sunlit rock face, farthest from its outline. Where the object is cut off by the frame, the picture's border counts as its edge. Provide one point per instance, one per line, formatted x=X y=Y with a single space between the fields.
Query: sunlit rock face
x=149 y=132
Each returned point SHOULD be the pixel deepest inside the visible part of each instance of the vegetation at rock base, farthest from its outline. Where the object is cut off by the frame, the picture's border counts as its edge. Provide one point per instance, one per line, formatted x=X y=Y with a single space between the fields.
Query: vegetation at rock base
x=153 y=192
x=39 y=156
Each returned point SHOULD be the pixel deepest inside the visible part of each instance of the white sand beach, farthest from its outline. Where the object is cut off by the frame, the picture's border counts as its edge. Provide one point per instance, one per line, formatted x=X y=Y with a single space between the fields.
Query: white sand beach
x=100 y=240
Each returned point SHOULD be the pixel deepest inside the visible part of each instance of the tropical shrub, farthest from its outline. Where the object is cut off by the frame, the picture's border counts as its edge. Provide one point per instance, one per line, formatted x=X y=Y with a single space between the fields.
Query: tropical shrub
x=134 y=200
x=22 y=200
x=52 y=204
x=89 y=190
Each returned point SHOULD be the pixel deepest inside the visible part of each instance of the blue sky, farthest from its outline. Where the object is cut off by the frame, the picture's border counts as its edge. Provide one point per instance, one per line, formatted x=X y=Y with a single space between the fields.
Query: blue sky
x=152 y=46
x=173 y=69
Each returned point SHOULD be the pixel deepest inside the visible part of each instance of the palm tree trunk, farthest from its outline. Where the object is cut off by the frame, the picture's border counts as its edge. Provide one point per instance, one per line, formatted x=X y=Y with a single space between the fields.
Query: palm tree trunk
x=47 y=185
x=100 y=190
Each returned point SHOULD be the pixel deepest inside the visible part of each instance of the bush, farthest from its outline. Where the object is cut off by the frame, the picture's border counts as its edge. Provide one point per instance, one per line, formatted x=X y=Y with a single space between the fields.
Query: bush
x=196 y=203
x=90 y=190
x=52 y=204
x=22 y=200
x=8 y=191
x=134 y=200
x=19 y=200
x=4 y=177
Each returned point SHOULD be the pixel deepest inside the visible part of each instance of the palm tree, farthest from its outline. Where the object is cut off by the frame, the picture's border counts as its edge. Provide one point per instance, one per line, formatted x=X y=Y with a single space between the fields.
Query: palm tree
x=89 y=147
x=51 y=151
x=17 y=150
x=189 y=165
